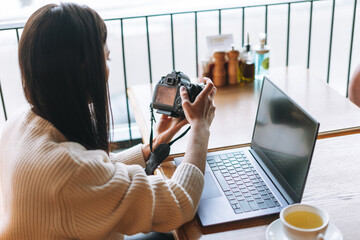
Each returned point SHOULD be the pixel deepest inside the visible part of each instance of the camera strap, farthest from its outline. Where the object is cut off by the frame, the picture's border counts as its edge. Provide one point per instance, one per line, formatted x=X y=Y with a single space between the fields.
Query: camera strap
x=162 y=151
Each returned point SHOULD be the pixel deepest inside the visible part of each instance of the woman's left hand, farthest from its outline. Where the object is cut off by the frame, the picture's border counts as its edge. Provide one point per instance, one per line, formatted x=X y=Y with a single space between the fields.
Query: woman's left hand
x=167 y=127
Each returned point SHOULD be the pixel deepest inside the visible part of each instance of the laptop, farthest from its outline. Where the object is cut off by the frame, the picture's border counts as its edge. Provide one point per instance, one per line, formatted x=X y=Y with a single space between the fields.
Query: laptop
x=269 y=175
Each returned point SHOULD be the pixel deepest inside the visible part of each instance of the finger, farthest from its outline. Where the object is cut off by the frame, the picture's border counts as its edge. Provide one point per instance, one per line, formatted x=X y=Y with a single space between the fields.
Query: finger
x=207 y=80
x=184 y=96
x=212 y=94
x=163 y=116
x=204 y=79
x=208 y=88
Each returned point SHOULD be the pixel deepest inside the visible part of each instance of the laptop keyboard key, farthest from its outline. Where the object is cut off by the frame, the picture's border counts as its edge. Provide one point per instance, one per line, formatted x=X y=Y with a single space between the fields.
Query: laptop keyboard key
x=217 y=159
x=232 y=202
x=266 y=197
x=248 y=184
x=253 y=205
x=270 y=203
x=245 y=206
x=257 y=196
x=231 y=181
x=228 y=193
x=257 y=185
x=238 y=194
x=226 y=175
x=233 y=186
x=237 y=211
x=234 y=175
x=253 y=192
x=221 y=181
x=223 y=157
x=231 y=197
x=224 y=171
x=249 y=199
x=263 y=205
x=240 y=198
x=263 y=193
x=244 y=190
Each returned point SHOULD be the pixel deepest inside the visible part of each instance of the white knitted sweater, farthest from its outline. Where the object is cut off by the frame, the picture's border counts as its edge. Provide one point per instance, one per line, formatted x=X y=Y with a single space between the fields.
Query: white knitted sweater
x=56 y=189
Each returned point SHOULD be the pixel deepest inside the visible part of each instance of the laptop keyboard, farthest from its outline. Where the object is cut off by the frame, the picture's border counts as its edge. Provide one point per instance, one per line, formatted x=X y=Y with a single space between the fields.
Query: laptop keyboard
x=242 y=185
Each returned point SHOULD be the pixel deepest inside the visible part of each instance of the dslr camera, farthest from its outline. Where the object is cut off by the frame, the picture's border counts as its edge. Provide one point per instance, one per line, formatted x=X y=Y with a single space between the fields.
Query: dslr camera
x=166 y=98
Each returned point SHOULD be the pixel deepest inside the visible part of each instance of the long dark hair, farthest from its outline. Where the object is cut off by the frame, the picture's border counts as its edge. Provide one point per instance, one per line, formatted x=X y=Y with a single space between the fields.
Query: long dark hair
x=64 y=75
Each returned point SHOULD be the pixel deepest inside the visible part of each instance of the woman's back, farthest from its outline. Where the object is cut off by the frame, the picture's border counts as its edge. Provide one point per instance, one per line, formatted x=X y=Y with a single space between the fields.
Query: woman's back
x=59 y=190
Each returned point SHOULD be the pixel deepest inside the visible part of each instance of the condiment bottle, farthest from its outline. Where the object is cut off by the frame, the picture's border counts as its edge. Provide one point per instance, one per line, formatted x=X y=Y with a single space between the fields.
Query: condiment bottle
x=233 y=67
x=219 y=72
x=248 y=66
x=262 y=57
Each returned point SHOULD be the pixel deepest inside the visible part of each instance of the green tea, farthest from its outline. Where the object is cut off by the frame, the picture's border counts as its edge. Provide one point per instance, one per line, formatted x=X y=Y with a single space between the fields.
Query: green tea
x=303 y=219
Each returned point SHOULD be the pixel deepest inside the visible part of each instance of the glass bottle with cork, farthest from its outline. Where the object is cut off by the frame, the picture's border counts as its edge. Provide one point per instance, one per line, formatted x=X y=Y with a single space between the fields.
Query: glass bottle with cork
x=247 y=63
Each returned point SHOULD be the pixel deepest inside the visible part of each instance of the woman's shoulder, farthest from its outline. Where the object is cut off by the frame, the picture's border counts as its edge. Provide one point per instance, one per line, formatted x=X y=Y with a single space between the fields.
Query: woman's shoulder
x=34 y=139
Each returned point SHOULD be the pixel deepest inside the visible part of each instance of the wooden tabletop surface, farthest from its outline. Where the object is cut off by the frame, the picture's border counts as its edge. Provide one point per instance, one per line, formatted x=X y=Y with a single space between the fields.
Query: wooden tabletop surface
x=237 y=105
x=333 y=184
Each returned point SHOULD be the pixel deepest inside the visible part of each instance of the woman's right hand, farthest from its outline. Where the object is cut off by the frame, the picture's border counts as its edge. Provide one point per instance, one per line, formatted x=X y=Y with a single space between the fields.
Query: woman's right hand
x=202 y=111
x=199 y=114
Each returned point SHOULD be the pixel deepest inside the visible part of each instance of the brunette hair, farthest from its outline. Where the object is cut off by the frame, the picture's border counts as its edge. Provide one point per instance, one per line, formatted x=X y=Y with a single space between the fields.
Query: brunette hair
x=64 y=75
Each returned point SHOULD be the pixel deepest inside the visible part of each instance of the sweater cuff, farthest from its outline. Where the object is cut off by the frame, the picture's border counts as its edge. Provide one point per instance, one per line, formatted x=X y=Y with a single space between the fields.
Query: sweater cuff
x=190 y=178
x=130 y=156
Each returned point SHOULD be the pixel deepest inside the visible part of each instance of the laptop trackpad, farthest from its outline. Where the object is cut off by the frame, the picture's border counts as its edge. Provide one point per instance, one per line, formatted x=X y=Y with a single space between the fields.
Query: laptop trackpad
x=210 y=188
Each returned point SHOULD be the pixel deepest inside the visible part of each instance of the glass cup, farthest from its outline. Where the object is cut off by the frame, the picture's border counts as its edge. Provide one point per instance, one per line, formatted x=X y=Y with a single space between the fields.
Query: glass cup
x=299 y=213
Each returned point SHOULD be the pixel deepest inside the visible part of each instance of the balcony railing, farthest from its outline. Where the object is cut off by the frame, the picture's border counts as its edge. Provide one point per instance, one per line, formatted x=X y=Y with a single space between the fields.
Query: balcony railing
x=217 y=25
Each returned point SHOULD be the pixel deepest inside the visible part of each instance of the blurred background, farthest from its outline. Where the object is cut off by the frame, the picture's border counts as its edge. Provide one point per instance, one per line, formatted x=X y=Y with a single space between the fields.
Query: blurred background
x=16 y=12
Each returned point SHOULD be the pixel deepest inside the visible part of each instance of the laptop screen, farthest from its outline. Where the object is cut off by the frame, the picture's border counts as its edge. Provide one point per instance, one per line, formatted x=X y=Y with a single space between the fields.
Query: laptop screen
x=284 y=137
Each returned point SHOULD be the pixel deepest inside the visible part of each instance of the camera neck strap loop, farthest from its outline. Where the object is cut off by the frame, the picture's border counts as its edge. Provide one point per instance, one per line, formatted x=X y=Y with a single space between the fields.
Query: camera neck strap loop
x=152 y=120
x=162 y=151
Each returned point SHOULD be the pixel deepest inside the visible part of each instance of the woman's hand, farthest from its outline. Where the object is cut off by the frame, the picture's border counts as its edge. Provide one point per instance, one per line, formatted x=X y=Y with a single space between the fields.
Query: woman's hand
x=199 y=114
x=202 y=110
x=167 y=127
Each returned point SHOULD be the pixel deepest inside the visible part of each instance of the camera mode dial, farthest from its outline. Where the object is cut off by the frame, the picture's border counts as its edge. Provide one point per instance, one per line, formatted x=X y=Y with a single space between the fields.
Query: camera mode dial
x=178 y=102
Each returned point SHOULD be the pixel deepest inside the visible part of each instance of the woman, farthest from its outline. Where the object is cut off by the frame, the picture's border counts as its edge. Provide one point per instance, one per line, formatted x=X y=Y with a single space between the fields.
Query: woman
x=58 y=178
x=354 y=87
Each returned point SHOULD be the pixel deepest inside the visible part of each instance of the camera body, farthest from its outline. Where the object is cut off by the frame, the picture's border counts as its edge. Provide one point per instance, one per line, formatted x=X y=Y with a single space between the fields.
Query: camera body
x=166 y=97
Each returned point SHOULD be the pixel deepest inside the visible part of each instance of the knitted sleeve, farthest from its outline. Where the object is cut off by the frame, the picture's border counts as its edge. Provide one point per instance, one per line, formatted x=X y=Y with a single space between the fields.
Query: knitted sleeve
x=132 y=155
x=103 y=196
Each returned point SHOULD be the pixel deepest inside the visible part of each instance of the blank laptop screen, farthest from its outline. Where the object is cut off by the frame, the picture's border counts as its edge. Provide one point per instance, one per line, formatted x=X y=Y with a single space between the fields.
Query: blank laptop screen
x=284 y=137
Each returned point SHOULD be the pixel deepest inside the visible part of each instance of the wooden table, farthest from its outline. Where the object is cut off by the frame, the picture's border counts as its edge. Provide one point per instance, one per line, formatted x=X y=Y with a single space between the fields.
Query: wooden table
x=332 y=184
x=236 y=108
